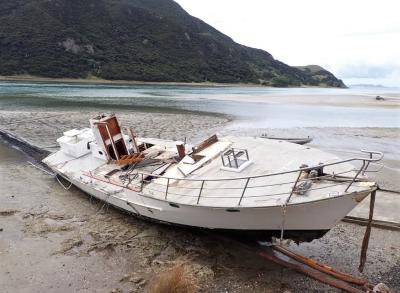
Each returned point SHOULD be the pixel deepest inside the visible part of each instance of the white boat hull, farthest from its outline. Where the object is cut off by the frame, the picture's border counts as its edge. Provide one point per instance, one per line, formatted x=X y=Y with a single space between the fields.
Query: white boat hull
x=316 y=216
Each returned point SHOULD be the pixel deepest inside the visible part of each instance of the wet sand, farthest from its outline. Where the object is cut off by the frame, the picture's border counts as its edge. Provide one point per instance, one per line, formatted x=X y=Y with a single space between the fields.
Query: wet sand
x=53 y=240
x=391 y=100
x=42 y=128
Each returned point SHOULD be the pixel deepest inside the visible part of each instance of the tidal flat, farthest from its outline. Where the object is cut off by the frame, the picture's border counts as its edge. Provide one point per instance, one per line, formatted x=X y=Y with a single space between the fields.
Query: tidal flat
x=53 y=240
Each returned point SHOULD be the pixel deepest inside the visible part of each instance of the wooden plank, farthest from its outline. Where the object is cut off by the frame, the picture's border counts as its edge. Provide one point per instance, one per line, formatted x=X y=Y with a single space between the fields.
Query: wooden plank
x=203 y=145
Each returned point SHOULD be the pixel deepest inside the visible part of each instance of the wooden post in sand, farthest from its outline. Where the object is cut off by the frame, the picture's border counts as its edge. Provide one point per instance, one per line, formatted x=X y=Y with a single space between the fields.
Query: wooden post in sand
x=364 y=247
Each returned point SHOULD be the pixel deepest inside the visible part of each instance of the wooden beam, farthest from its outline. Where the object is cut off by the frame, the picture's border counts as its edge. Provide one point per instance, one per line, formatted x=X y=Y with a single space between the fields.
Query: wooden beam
x=112 y=142
x=201 y=146
x=133 y=136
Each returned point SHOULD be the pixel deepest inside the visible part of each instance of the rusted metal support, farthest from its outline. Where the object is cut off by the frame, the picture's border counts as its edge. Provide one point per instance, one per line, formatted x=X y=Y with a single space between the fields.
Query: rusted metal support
x=317 y=275
x=364 y=247
x=308 y=267
x=320 y=267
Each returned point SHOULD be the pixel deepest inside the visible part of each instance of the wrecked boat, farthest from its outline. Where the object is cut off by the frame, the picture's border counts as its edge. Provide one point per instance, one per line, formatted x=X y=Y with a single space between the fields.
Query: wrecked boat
x=245 y=185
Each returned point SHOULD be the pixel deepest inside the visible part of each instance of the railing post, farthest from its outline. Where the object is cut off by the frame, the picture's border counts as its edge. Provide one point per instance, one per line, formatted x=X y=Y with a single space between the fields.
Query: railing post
x=366 y=167
x=166 y=190
x=294 y=187
x=201 y=189
x=355 y=177
x=244 y=190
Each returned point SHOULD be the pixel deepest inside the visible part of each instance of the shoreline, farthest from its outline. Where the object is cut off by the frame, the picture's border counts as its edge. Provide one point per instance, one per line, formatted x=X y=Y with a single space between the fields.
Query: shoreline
x=99 y=81
x=347 y=100
x=18 y=78
x=392 y=100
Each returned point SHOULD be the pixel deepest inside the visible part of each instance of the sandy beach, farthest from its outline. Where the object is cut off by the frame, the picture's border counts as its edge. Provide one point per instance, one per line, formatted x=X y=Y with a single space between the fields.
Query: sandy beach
x=391 y=100
x=42 y=128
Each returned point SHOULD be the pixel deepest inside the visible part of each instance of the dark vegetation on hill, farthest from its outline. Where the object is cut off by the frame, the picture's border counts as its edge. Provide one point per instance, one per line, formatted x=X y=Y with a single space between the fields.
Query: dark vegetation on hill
x=145 y=40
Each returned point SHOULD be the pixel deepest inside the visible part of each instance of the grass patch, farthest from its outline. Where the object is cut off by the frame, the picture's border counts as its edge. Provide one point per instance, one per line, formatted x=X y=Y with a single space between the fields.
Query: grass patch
x=174 y=280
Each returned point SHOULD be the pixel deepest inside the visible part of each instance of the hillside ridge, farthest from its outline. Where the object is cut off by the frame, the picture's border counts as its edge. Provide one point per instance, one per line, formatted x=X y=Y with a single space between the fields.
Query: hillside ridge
x=143 y=40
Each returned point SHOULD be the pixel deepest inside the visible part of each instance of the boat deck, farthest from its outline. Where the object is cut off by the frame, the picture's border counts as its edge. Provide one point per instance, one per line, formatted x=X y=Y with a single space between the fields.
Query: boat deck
x=226 y=188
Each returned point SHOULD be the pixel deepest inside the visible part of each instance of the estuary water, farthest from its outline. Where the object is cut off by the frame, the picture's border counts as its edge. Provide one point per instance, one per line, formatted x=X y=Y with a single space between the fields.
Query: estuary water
x=206 y=100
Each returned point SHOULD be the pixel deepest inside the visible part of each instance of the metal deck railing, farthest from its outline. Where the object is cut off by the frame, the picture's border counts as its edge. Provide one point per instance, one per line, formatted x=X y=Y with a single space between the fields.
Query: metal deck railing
x=339 y=178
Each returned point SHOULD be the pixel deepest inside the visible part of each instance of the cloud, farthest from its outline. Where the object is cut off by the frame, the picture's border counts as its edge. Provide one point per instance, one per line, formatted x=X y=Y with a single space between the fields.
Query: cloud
x=388 y=31
x=354 y=39
x=366 y=71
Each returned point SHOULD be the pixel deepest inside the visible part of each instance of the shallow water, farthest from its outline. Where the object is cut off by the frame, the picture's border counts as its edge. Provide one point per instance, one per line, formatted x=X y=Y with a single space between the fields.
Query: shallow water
x=39 y=96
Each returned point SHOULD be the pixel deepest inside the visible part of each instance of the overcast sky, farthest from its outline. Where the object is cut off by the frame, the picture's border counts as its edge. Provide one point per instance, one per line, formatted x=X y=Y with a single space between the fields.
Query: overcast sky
x=358 y=40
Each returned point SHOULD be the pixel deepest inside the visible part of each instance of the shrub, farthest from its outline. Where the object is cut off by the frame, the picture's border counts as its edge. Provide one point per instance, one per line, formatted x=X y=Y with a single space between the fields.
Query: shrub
x=174 y=280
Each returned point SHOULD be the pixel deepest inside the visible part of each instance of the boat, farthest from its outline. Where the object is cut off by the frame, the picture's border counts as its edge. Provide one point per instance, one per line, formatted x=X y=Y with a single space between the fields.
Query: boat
x=248 y=186
x=298 y=140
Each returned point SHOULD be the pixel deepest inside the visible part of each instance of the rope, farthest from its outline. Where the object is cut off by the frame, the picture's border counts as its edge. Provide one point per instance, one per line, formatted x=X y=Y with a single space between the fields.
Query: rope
x=41 y=169
x=62 y=185
x=67 y=161
x=134 y=209
x=283 y=221
x=104 y=204
x=389 y=190
x=285 y=206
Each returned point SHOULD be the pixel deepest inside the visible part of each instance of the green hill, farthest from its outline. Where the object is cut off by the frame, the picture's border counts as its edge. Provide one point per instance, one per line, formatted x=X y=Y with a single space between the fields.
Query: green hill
x=144 y=40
